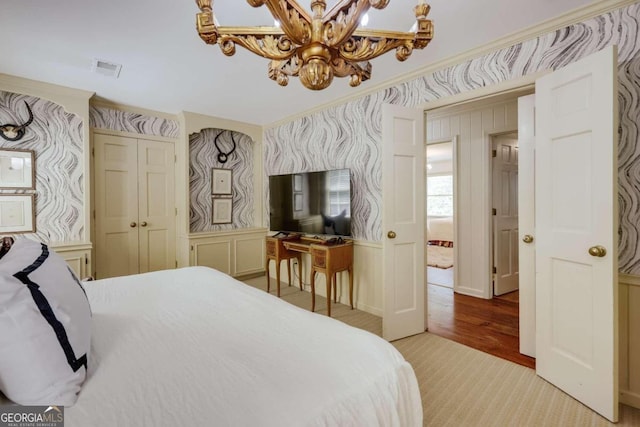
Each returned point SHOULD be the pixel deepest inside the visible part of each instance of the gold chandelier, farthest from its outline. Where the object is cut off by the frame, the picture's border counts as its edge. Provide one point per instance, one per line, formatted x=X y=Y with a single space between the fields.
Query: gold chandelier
x=316 y=47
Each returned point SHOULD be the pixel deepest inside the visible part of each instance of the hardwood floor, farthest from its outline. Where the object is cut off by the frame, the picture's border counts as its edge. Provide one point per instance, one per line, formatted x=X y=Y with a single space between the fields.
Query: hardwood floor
x=487 y=325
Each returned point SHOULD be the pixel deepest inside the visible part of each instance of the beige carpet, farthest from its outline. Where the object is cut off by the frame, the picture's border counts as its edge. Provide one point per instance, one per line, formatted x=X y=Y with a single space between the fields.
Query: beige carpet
x=461 y=386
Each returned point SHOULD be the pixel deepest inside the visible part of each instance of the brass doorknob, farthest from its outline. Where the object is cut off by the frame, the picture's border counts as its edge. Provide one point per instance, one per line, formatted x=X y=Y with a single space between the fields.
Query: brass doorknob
x=598 y=251
x=528 y=238
x=391 y=234
x=143 y=224
x=133 y=224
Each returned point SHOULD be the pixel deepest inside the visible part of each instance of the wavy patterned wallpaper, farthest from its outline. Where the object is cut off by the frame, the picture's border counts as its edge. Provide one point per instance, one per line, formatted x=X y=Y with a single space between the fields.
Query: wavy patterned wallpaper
x=109 y=118
x=56 y=138
x=350 y=135
x=202 y=158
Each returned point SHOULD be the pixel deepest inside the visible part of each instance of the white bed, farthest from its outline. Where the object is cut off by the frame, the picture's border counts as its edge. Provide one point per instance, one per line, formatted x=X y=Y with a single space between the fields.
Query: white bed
x=196 y=347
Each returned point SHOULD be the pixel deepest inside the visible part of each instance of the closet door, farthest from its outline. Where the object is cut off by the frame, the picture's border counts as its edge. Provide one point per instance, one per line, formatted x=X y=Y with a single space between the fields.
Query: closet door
x=116 y=203
x=157 y=208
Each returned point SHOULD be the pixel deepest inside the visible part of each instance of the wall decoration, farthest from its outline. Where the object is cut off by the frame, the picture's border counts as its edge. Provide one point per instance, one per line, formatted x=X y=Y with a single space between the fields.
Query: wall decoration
x=224 y=156
x=203 y=157
x=57 y=139
x=221 y=182
x=17 y=169
x=350 y=135
x=222 y=210
x=16 y=132
x=17 y=213
x=125 y=121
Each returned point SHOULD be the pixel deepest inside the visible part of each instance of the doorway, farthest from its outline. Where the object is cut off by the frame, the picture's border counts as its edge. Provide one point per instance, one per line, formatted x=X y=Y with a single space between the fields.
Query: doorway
x=440 y=207
x=481 y=309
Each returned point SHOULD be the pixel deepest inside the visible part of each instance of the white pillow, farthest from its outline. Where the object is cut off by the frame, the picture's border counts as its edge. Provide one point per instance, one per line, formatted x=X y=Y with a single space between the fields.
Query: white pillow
x=45 y=327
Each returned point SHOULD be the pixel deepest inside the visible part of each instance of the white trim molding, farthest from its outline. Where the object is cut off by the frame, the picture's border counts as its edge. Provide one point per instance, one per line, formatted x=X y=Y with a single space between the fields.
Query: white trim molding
x=629 y=343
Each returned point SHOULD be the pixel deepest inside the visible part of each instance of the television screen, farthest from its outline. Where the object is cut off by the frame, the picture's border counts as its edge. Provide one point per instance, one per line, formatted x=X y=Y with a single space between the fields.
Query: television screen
x=316 y=203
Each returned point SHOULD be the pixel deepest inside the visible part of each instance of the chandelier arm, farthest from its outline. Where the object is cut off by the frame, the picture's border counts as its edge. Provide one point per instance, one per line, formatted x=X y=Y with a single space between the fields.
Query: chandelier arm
x=358 y=49
x=270 y=44
x=343 y=19
x=294 y=20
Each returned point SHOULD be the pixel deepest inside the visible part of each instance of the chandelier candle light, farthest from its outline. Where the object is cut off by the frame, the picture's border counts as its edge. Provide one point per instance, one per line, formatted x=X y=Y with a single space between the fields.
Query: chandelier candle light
x=316 y=47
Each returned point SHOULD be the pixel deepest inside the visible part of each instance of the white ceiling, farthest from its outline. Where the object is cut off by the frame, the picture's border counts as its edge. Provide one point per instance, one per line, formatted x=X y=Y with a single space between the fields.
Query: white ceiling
x=166 y=67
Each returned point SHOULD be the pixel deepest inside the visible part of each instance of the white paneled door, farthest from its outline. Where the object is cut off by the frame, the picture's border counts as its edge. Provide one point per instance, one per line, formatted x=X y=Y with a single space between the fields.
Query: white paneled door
x=526 y=224
x=505 y=219
x=403 y=199
x=135 y=205
x=576 y=231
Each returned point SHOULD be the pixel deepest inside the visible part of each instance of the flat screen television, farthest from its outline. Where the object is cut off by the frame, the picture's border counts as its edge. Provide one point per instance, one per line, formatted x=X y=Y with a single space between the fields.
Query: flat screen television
x=314 y=203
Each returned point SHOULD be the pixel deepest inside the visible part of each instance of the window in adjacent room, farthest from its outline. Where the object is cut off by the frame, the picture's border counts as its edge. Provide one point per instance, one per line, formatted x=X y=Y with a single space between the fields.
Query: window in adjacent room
x=440 y=195
x=339 y=192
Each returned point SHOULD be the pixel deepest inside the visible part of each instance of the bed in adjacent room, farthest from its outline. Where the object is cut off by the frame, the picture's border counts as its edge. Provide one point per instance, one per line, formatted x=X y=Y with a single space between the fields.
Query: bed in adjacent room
x=440 y=242
x=195 y=347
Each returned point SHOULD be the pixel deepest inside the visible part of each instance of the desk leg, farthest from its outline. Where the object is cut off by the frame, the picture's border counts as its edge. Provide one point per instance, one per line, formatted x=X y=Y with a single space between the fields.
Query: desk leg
x=300 y=269
x=329 y=278
x=278 y=277
x=351 y=286
x=313 y=289
x=335 y=287
x=268 y=278
x=289 y=270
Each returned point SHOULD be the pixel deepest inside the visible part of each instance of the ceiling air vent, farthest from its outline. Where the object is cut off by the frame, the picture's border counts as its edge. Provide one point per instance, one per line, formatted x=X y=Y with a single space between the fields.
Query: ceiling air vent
x=106 y=68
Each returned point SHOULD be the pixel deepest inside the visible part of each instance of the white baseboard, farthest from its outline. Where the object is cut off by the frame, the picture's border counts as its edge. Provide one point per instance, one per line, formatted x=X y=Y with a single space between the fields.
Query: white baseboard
x=468 y=291
x=630 y=399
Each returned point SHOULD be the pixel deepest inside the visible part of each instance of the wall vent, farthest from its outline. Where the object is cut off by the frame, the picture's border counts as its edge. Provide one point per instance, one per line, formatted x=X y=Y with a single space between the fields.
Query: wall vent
x=106 y=68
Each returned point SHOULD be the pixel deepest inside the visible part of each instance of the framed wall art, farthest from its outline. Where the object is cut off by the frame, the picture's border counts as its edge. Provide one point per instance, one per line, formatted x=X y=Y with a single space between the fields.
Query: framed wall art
x=222 y=210
x=17 y=169
x=17 y=213
x=221 y=182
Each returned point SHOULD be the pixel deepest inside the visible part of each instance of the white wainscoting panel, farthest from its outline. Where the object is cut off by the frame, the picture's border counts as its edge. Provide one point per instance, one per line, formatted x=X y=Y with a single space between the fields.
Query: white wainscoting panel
x=630 y=340
x=238 y=252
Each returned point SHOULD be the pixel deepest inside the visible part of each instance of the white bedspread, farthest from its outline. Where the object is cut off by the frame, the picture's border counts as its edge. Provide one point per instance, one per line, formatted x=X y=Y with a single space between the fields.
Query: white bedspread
x=195 y=347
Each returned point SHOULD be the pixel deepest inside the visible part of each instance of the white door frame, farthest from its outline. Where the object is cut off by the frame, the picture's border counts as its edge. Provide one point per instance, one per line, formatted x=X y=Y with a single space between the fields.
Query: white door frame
x=454 y=170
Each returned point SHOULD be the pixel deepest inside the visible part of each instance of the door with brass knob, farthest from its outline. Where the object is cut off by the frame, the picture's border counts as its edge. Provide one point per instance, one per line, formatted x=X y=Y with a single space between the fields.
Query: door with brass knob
x=391 y=234
x=528 y=238
x=597 y=251
x=135 y=208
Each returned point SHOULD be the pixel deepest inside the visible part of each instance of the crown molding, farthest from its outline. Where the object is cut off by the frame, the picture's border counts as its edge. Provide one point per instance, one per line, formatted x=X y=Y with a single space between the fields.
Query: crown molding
x=98 y=101
x=28 y=86
x=572 y=17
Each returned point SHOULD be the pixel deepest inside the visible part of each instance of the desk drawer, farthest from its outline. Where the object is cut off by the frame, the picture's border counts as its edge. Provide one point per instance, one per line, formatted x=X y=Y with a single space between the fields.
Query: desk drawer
x=271 y=248
x=318 y=258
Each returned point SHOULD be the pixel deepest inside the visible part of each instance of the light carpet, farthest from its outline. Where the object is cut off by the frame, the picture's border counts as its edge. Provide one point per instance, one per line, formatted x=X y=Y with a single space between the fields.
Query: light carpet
x=461 y=386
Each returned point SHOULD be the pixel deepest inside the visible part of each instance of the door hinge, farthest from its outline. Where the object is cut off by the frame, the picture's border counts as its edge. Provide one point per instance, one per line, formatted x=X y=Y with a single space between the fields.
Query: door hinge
x=495 y=270
x=93 y=151
x=176 y=211
x=176 y=263
x=494 y=211
x=175 y=158
x=94 y=214
x=191 y=247
x=494 y=153
x=86 y=260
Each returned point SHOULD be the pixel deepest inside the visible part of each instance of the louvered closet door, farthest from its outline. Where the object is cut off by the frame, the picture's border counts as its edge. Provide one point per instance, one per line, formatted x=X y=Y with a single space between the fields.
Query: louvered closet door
x=116 y=203
x=157 y=206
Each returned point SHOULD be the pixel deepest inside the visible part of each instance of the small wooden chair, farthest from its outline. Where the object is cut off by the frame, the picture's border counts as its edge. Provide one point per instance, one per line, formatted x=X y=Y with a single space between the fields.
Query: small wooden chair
x=330 y=260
